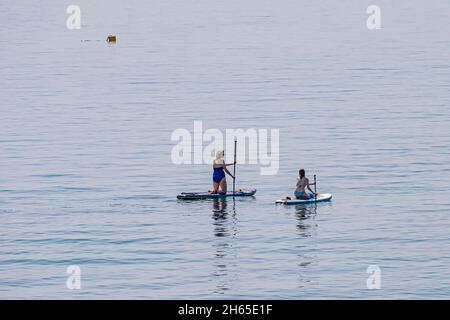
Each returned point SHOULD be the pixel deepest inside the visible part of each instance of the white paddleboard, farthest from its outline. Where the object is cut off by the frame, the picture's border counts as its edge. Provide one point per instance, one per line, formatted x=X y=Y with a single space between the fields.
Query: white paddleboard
x=322 y=197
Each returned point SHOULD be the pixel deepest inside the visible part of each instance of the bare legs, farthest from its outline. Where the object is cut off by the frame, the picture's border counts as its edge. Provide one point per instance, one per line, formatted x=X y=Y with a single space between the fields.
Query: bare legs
x=223 y=186
x=220 y=187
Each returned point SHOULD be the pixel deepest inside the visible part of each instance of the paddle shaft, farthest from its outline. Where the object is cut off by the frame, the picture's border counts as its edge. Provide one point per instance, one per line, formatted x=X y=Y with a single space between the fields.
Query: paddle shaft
x=234 y=167
x=315 y=188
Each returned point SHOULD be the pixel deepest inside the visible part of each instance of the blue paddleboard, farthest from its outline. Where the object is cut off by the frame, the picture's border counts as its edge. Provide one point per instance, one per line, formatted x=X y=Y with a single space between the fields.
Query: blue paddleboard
x=206 y=195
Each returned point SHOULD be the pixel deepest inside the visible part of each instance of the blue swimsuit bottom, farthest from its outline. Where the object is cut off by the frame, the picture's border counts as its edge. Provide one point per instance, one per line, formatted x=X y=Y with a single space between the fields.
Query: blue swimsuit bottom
x=300 y=195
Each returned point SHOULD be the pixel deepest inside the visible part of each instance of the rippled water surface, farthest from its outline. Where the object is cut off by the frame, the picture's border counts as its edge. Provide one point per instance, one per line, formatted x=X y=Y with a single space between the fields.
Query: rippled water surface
x=85 y=150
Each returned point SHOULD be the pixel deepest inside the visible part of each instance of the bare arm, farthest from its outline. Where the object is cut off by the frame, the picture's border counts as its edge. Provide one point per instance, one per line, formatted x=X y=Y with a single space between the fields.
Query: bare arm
x=226 y=170
x=308 y=185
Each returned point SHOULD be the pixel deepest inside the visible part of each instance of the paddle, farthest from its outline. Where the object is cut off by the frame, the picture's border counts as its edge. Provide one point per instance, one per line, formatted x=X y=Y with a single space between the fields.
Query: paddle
x=315 y=188
x=234 y=167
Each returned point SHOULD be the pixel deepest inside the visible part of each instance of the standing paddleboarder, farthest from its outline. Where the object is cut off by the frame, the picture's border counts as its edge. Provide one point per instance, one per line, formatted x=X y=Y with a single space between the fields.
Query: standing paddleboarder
x=219 y=170
x=302 y=184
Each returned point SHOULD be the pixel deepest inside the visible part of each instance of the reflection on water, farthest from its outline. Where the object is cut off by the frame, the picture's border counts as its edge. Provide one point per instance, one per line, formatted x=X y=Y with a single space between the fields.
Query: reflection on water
x=224 y=222
x=305 y=215
x=306 y=225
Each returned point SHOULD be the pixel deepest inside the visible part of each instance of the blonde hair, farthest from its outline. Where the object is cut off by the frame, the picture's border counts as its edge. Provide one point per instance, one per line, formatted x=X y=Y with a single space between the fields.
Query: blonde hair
x=219 y=154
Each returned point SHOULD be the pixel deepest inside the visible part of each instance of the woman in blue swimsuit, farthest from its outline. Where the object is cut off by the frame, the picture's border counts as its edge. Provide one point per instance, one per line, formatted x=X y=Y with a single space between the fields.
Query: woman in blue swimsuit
x=220 y=167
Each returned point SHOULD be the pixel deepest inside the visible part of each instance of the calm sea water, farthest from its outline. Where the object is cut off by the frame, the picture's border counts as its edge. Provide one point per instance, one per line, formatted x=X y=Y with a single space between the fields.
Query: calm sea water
x=85 y=151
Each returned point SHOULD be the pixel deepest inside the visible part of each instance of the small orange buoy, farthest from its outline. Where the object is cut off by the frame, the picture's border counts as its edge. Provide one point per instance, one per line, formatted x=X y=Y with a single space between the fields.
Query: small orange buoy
x=111 y=38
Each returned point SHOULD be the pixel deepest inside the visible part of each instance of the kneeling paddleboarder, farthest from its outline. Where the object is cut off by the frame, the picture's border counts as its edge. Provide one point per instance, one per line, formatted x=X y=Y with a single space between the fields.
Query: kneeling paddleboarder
x=302 y=184
x=219 y=169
